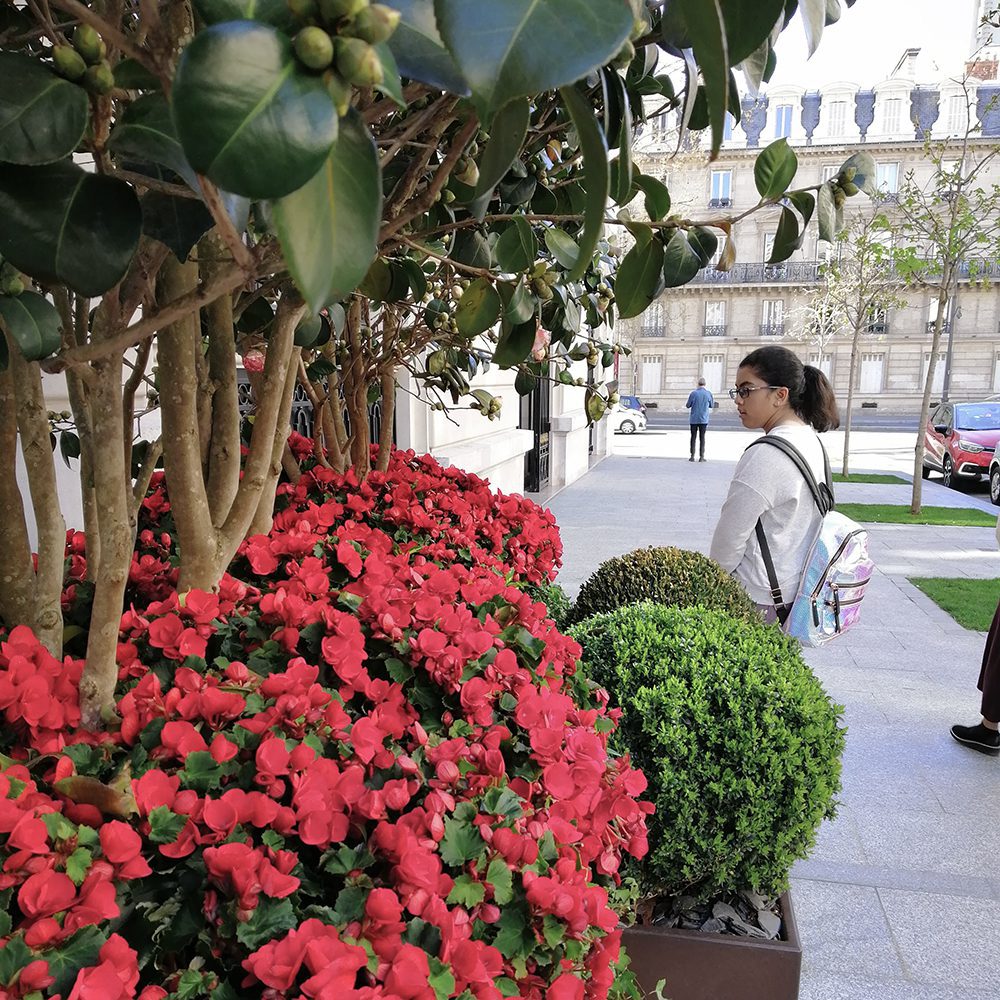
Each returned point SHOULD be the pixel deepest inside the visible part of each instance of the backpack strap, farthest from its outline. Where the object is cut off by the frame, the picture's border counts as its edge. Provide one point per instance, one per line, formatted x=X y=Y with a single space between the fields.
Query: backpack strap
x=822 y=495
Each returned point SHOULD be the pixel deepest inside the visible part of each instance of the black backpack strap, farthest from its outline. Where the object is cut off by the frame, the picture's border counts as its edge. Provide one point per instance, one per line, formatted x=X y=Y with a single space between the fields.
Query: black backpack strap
x=822 y=495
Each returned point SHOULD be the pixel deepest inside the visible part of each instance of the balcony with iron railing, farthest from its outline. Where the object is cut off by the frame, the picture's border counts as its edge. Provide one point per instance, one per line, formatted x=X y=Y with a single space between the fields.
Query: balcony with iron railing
x=945 y=325
x=795 y=272
x=714 y=330
x=772 y=329
x=720 y=202
x=652 y=331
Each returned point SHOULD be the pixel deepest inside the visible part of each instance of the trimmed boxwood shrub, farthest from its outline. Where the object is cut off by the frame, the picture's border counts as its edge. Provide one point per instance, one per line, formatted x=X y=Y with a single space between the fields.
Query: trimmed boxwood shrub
x=666 y=575
x=554 y=598
x=739 y=742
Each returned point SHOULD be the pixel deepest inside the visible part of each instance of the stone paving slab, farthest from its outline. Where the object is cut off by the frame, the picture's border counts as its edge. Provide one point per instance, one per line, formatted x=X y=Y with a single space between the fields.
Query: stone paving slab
x=900 y=899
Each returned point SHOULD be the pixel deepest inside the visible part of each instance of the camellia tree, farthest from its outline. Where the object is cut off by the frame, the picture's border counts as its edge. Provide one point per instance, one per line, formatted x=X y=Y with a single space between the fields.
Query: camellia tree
x=338 y=677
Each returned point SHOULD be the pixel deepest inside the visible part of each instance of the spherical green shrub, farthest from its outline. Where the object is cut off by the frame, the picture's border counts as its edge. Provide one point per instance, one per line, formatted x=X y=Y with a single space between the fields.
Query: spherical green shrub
x=736 y=736
x=554 y=598
x=666 y=575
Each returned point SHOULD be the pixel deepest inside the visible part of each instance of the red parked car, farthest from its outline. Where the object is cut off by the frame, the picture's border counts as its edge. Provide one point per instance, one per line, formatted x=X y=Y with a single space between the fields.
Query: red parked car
x=959 y=441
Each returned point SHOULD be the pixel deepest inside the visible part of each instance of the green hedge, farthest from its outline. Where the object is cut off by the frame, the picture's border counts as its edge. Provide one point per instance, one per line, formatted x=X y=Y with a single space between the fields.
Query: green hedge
x=666 y=575
x=739 y=742
x=554 y=598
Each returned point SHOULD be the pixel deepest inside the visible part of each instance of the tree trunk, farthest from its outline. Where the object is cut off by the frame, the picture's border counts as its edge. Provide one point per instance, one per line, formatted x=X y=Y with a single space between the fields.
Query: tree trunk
x=33 y=427
x=388 y=384
x=925 y=403
x=17 y=575
x=852 y=378
x=356 y=394
x=111 y=486
x=182 y=455
x=79 y=402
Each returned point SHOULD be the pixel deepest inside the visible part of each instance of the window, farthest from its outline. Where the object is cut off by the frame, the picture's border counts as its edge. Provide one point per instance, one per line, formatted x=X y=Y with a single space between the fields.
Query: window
x=932 y=315
x=727 y=127
x=830 y=170
x=768 y=246
x=836 y=118
x=956 y=117
x=652 y=321
x=996 y=372
x=782 y=121
x=722 y=189
x=713 y=367
x=652 y=374
x=892 y=115
x=937 y=386
x=878 y=321
x=772 y=317
x=715 y=319
x=823 y=362
x=887 y=177
x=661 y=124
x=870 y=381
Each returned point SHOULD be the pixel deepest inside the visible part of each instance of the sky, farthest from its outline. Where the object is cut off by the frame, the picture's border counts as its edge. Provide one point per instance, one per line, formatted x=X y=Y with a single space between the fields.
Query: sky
x=865 y=45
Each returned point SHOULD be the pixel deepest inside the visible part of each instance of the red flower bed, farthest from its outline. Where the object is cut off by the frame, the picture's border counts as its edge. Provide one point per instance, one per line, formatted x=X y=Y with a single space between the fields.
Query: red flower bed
x=366 y=767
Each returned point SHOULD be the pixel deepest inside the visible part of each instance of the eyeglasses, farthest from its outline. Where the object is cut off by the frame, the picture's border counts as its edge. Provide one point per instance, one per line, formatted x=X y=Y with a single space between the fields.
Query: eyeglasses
x=744 y=390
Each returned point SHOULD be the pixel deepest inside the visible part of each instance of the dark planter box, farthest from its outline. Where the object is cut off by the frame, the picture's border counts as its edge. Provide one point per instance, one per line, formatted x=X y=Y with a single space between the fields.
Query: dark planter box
x=717 y=966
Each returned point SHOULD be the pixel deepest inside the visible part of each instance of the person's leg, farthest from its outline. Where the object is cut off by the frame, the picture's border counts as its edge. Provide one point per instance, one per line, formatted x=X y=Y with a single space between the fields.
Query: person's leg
x=694 y=432
x=701 y=439
x=985 y=737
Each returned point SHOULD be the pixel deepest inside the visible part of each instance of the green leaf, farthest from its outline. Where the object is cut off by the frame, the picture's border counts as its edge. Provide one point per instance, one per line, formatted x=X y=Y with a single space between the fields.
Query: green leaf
x=329 y=228
x=621 y=192
x=514 y=940
x=518 y=303
x=563 y=247
x=472 y=249
x=597 y=175
x=805 y=203
x=553 y=930
x=826 y=213
x=507 y=133
x=33 y=324
x=774 y=169
x=419 y=51
x=146 y=132
x=274 y=12
x=271 y=919
x=132 y=75
x=478 y=309
x=66 y=961
x=499 y=876
x=638 y=279
x=467 y=891
x=78 y=864
x=787 y=239
x=863 y=165
x=42 y=116
x=350 y=903
x=813 y=14
x=515 y=343
x=749 y=24
x=391 y=85
x=657 y=199
x=441 y=979
x=248 y=114
x=69 y=448
x=58 y=827
x=680 y=262
x=502 y=802
x=707 y=29
x=14 y=956
x=65 y=224
x=177 y=223
x=517 y=247
x=505 y=48
x=704 y=243
x=461 y=842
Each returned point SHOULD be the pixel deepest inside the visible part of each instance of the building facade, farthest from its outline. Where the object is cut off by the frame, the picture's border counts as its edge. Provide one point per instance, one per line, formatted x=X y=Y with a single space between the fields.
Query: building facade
x=706 y=327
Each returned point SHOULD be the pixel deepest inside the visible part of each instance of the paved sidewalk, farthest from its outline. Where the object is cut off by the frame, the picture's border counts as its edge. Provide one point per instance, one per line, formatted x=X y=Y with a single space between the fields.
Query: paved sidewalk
x=900 y=899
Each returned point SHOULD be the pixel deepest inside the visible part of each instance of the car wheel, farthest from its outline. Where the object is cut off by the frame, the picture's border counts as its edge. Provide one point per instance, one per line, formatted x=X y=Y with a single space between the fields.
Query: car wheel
x=627 y=427
x=995 y=485
x=948 y=473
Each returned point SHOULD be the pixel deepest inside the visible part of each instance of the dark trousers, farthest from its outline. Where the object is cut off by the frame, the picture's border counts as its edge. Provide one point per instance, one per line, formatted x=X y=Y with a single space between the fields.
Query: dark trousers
x=989 y=676
x=698 y=431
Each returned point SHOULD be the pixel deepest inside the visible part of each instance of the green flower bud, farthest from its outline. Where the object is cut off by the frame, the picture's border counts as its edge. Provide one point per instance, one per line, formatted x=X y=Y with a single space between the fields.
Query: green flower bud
x=333 y=10
x=339 y=90
x=99 y=79
x=358 y=62
x=849 y=188
x=68 y=62
x=437 y=361
x=11 y=285
x=303 y=10
x=314 y=47
x=88 y=43
x=374 y=24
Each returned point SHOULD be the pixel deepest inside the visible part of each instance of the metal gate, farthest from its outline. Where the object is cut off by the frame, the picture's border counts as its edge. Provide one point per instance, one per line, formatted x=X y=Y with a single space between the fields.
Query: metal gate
x=536 y=416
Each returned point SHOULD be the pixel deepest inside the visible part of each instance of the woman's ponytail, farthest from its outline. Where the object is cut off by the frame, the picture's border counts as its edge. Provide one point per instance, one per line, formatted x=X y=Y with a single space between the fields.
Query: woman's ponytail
x=810 y=394
x=818 y=405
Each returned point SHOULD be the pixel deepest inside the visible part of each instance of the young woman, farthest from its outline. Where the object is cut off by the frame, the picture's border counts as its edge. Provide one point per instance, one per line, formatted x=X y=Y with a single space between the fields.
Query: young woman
x=775 y=393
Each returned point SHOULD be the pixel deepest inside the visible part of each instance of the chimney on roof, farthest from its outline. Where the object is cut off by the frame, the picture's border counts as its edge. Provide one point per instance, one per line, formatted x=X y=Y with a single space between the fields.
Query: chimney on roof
x=907 y=65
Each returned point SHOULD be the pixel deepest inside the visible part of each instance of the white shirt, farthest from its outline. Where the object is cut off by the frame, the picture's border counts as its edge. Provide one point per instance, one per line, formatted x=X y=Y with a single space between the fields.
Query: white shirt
x=768 y=485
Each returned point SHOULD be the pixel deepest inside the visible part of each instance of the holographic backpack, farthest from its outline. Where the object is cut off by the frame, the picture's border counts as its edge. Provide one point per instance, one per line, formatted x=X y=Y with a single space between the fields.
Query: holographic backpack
x=837 y=570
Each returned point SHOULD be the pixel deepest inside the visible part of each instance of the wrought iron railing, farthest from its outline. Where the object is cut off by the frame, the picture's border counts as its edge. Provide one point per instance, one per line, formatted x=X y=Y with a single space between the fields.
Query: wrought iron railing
x=652 y=330
x=720 y=202
x=945 y=326
x=716 y=330
x=772 y=329
x=795 y=272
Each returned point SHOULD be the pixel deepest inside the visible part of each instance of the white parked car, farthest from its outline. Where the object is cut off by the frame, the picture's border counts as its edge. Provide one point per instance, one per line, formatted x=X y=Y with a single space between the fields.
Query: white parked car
x=625 y=420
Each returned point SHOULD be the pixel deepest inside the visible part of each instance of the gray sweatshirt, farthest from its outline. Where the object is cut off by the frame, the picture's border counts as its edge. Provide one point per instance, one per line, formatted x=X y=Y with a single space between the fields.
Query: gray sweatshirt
x=766 y=484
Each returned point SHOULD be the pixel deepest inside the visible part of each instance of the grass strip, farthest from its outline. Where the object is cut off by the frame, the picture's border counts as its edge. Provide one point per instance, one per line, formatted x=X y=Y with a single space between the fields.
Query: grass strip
x=869 y=477
x=882 y=513
x=972 y=603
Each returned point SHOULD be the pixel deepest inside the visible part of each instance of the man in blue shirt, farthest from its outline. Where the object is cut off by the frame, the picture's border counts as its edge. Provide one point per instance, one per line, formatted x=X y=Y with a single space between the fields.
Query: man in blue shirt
x=700 y=403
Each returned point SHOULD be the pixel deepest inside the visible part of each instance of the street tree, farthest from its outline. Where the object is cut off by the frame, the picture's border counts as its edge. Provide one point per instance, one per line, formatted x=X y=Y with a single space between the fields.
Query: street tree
x=330 y=191
x=860 y=285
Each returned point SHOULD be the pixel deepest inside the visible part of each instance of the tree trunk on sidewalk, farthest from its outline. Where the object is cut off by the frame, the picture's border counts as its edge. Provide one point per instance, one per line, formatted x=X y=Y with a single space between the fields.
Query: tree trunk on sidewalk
x=852 y=378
